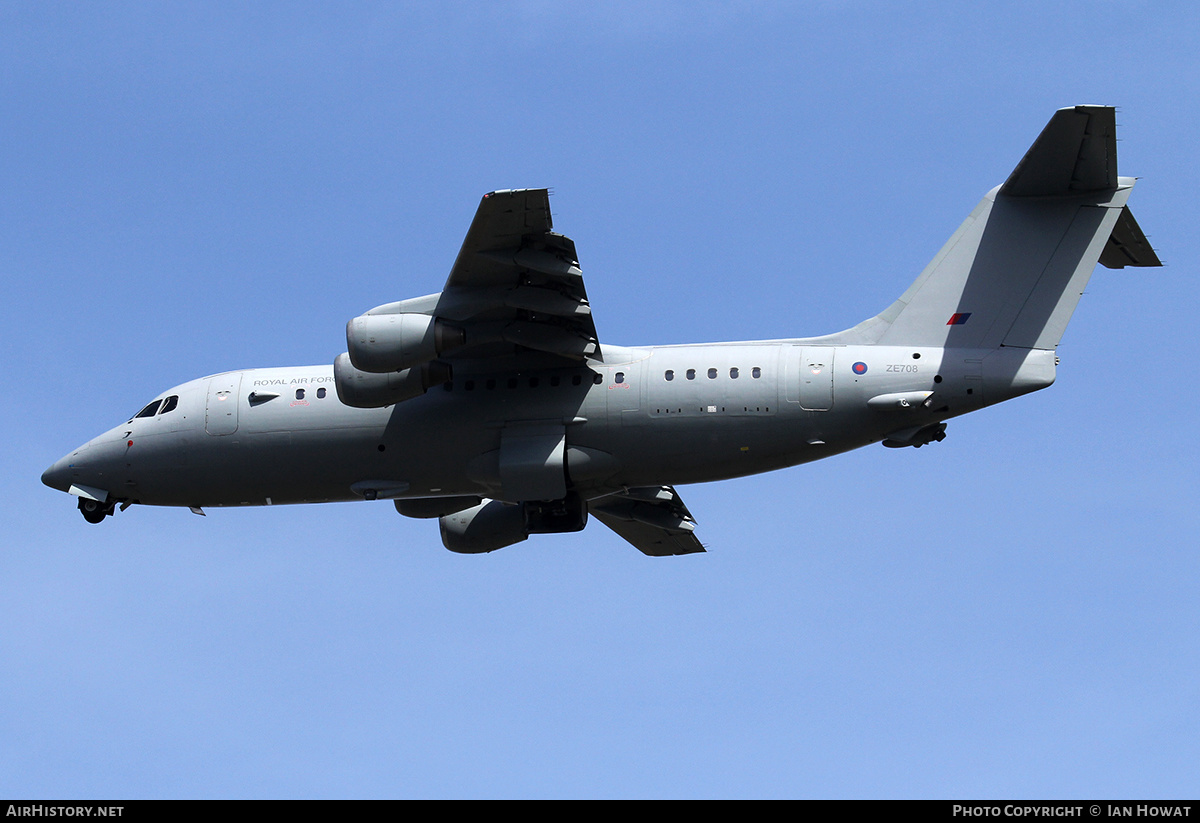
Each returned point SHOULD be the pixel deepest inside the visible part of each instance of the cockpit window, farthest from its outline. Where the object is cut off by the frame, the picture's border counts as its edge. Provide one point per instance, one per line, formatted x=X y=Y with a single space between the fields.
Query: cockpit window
x=169 y=404
x=149 y=411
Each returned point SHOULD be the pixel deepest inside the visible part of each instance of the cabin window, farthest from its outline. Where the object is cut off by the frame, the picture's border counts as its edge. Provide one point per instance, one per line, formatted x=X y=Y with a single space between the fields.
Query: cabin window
x=469 y=385
x=598 y=378
x=512 y=382
x=691 y=374
x=321 y=393
x=756 y=372
x=620 y=378
x=533 y=382
x=299 y=394
x=733 y=373
x=169 y=404
x=554 y=380
x=576 y=379
x=712 y=374
x=669 y=375
x=490 y=384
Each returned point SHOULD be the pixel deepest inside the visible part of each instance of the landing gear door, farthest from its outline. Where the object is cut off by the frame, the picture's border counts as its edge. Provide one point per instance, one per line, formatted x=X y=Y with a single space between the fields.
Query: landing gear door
x=221 y=411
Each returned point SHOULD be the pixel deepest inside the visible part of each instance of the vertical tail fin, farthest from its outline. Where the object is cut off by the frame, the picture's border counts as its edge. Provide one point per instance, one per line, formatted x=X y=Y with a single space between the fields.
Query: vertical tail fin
x=1014 y=271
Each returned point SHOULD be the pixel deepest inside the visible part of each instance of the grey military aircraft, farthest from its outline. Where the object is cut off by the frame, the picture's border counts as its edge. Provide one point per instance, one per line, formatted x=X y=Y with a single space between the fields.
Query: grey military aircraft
x=492 y=405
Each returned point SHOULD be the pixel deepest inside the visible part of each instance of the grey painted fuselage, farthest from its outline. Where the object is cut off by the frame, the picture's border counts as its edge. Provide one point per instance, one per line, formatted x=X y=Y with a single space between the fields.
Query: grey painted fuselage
x=492 y=406
x=677 y=415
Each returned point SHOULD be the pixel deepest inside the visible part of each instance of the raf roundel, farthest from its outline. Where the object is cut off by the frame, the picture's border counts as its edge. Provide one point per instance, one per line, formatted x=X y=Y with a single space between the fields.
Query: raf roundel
x=859 y=367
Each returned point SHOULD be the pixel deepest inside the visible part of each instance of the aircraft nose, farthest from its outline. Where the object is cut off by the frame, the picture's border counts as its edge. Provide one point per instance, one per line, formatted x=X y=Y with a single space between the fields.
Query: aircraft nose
x=66 y=469
x=58 y=476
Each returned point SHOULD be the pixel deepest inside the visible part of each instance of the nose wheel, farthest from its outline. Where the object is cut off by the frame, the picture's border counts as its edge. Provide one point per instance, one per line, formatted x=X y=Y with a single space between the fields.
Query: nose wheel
x=94 y=511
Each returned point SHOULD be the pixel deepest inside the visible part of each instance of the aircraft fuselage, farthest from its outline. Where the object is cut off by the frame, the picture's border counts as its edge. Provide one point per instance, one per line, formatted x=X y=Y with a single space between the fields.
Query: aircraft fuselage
x=652 y=415
x=493 y=405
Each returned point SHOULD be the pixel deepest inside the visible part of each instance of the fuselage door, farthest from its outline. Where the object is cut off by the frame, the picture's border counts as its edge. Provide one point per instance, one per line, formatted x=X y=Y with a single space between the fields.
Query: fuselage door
x=816 y=377
x=221 y=412
x=624 y=392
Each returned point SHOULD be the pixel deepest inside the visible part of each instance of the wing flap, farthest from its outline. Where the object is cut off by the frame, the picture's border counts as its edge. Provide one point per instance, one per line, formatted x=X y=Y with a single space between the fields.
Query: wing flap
x=546 y=301
x=653 y=520
x=517 y=285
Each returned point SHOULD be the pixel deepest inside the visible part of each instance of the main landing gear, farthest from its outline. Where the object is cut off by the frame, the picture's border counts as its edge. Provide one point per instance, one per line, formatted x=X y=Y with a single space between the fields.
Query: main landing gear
x=94 y=511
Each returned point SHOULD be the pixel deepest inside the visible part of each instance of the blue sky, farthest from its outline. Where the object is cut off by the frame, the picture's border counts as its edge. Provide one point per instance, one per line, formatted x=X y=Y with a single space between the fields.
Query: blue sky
x=187 y=188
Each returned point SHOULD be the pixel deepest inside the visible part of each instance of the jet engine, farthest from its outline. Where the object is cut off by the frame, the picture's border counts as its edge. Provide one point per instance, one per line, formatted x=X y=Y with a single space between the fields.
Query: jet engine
x=380 y=343
x=366 y=390
x=493 y=525
x=484 y=528
x=429 y=507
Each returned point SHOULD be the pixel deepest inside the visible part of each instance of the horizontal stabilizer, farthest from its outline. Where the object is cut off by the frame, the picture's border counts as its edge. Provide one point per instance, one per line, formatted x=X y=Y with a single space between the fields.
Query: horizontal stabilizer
x=1127 y=245
x=1075 y=153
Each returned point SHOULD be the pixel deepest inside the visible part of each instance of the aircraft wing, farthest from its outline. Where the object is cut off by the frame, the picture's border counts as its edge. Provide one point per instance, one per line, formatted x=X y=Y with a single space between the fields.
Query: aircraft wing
x=653 y=519
x=516 y=288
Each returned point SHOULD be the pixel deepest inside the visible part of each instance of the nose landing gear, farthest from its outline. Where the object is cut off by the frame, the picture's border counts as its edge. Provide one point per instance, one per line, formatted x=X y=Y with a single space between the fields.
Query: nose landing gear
x=94 y=511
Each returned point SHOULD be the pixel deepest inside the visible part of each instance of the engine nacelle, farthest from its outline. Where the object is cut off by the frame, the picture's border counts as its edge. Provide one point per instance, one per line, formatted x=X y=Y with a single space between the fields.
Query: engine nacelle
x=364 y=390
x=484 y=528
x=493 y=525
x=380 y=343
x=429 y=507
